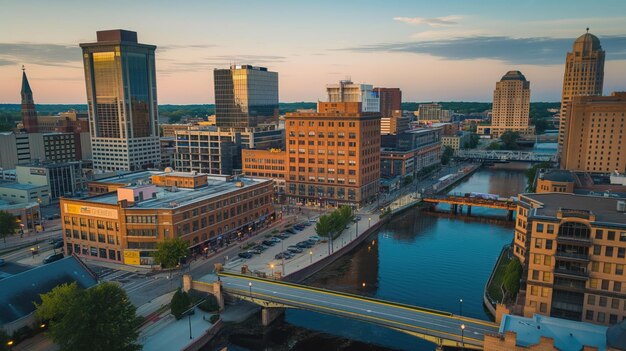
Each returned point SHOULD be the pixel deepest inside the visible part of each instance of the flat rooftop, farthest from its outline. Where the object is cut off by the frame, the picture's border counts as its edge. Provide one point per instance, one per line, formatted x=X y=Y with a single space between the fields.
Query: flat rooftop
x=129 y=178
x=20 y=186
x=557 y=176
x=166 y=198
x=567 y=335
x=604 y=208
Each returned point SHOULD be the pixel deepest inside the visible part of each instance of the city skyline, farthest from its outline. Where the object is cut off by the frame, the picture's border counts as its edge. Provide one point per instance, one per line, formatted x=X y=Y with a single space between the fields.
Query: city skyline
x=418 y=47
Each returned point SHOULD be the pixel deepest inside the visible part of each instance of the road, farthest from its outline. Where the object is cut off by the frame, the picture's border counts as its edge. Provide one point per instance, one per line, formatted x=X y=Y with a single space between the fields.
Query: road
x=438 y=324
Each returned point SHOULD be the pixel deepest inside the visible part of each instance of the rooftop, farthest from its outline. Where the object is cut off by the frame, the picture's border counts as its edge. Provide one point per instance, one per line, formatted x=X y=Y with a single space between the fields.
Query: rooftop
x=567 y=335
x=167 y=197
x=130 y=178
x=19 y=291
x=513 y=75
x=20 y=186
x=604 y=208
x=556 y=175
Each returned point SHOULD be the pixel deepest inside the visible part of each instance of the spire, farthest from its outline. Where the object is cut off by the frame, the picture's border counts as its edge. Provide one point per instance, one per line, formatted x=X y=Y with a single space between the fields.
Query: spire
x=25 y=85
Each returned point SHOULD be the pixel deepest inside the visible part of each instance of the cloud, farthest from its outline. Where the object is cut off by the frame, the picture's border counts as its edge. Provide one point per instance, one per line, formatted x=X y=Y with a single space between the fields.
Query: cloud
x=538 y=50
x=433 y=22
x=219 y=61
x=163 y=48
x=4 y=62
x=40 y=54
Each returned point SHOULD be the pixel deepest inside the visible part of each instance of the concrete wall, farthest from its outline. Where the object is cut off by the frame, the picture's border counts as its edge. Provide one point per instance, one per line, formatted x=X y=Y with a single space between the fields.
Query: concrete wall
x=199 y=342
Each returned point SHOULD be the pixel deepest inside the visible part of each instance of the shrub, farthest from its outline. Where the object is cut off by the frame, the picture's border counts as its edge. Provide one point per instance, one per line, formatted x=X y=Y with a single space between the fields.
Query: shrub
x=214 y=318
x=179 y=304
x=209 y=304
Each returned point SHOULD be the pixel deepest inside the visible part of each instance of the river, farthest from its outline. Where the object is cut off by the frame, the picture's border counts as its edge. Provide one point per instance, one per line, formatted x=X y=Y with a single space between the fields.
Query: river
x=419 y=258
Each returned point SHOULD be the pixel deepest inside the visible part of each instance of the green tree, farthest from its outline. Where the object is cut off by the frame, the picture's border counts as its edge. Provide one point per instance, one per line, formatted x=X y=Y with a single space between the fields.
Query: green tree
x=509 y=140
x=447 y=154
x=98 y=319
x=180 y=303
x=170 y=251
x=323 y=227
x=494 y=145
x=512 y=276
x=8 y=225
x=53 y=304
x=473 y=141
x=531 y=174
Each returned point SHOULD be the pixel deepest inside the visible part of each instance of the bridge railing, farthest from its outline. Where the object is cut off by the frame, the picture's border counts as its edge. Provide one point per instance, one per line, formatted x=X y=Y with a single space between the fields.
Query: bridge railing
x=354 y=296
x=506 y=155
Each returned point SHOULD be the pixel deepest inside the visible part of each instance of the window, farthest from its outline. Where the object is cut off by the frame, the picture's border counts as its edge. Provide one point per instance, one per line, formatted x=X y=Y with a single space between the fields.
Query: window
x=535 y=275
x=599 y=234
x=547 y=260
x=538 y=243
x=595 y=266
x=537 y=259
x=608 y=251
x=607 y=268
x=621 y=252
x=540 y=227
x=533 y=290
x=617 y=286
x=615 y=303
x=610 y=235
x=589 y=315
x=591 y=299
x=543 y=307
x=605 y=284
x=612 y=319
x=619 y=269
x=548 y=244
x=547 y=276
x=603 y=301
x=601 y=317
x=550 y=228
x=544 y=292
x=597 y=249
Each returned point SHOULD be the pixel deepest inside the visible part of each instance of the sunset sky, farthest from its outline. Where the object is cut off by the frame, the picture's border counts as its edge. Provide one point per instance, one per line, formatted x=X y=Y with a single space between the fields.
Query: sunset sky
x=432 y=50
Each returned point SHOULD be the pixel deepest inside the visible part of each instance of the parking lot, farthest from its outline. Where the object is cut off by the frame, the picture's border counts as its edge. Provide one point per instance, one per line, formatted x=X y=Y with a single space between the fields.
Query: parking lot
x=268 y=262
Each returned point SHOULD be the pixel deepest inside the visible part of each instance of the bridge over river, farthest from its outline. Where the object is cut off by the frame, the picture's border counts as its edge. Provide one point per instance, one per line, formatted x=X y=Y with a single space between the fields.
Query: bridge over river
x=441 y=328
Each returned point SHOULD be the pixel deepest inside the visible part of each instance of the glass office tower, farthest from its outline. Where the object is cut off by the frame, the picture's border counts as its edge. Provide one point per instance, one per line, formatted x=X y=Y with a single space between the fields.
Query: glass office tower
x=245 y=96
x=122 y=103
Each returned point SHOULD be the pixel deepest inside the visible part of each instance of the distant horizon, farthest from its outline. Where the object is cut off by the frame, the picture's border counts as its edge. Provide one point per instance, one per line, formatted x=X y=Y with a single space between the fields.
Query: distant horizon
x=452 y=51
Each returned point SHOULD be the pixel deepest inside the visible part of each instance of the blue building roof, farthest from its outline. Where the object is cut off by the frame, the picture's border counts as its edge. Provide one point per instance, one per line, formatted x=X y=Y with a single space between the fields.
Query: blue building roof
x=567 y=335
x=19 y=292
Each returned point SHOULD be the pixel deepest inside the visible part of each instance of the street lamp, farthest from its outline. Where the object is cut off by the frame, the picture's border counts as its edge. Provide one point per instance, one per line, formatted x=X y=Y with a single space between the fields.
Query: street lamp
x=363 y=285
x=311 y=256
x=462 y=339
x=370 y=221
x=10 y=344
x=250 y=286
x=272 y=266
x=461 y=307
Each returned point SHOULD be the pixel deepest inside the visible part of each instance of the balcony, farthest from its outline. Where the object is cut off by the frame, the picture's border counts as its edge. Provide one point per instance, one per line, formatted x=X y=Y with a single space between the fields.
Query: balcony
x=573 y=240
x=572 y=256
x=571 y=273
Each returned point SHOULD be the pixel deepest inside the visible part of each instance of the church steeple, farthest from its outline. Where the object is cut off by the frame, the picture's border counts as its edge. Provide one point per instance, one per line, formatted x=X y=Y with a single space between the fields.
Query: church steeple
x=29 y=114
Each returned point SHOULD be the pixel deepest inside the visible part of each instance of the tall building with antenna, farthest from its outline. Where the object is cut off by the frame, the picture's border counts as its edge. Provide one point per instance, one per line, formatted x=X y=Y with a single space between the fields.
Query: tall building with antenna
x=122 y=101
x=584 y=75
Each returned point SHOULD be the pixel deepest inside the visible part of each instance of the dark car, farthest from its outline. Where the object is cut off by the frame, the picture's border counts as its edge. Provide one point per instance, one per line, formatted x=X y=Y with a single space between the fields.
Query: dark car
x=294 y=249
x=311 y=242
x=268 y=243
x=290 y=231
x=282 y=235
x=254 y=250
x=279 y=256
x=287 y=254
x=298 y=227
x=260 y=248
x=53 y=258
x=305 y=244
x=245 y=255
x=57 y=244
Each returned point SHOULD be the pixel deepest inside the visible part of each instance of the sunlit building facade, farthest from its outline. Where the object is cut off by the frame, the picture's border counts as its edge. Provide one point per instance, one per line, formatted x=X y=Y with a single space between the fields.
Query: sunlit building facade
x=245 y=96
x=122 y=101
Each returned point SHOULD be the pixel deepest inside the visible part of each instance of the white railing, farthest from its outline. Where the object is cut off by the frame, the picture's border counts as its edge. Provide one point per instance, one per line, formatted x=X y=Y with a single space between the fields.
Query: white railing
x=506 y=155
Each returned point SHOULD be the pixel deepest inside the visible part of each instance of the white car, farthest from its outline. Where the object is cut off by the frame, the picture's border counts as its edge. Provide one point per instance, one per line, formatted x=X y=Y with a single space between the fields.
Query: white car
x=315 y=238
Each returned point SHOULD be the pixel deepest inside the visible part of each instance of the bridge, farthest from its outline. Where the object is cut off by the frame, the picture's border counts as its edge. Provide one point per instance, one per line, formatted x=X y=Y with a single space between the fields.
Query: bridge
x=442 y=328
x=506 y=155
x=457 y=202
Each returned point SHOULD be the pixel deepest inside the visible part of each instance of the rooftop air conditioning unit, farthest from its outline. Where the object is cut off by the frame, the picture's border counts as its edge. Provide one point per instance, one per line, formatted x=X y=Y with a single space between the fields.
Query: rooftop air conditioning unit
x=621 y=206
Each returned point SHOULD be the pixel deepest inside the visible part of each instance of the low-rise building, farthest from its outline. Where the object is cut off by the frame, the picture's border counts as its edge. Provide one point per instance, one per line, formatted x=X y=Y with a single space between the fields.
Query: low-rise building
x=61 y=178
x=573 y=250
x=266 y=164
x=27 y=214
x=125 y=225
x=554 y=181
x=456 y=142
x=16 y=193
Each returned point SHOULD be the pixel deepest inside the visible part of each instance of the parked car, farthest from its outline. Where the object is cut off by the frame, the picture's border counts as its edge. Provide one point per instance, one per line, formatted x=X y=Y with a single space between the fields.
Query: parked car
x=53 y=258
x=279 y=256
x=306 y=224
x=268 y=243
x=260 y=248
x=288 y=254
x=245 y=255
x=254 y=250
x=57 y=244
x=347 y=226
x=358 y=218
x=305 y=244
x=283 y=235
x=315 y=238
x=298 y=227
x=294 y=249
x=275 y=239
x=311 y=242
x=290 y=231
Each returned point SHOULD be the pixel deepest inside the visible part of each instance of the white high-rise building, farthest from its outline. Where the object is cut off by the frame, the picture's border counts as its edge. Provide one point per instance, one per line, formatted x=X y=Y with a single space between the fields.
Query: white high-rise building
x=346 y=91
x=122 y=102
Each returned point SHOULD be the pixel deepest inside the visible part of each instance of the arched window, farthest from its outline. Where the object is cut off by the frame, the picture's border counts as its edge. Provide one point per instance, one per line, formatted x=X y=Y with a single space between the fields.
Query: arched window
x=574 y=230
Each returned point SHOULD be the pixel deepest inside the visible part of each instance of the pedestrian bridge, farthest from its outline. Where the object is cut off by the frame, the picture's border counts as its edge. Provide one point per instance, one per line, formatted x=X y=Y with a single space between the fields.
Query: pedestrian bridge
x=456 y=202
x=442 y=328
x=506 y=155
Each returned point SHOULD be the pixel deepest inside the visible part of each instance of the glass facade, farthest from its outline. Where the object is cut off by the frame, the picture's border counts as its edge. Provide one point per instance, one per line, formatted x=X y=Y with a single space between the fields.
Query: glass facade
x=121 y=95
x=245 y=96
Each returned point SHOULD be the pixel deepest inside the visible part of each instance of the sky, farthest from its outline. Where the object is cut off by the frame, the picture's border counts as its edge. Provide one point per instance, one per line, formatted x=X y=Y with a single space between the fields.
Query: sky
x=432 y=50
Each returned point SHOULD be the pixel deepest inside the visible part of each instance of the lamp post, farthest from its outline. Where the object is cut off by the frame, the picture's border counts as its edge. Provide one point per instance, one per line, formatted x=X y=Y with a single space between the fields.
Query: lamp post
x=311 y=256
x=272 y=266
x=282 y=248
x=461 y=307
x=357 y=231
x=10 y=344
x=369 y=220
x=250 y=286
x=462 y=336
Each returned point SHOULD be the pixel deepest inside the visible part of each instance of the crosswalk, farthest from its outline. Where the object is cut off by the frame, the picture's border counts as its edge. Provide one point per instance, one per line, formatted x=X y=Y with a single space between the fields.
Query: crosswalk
x=130 y=281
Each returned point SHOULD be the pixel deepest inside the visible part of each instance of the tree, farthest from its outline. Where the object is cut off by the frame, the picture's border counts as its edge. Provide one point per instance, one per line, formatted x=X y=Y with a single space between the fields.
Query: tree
x=493 y=146
x=98 y=319
x=180 y=303
x=509 y=139
x=53 y=304
x=531 y=174
x=323 y=227
x=512 y=276
x=8 y=225
x=170 y=252
x=447 y=154
x=472 y=142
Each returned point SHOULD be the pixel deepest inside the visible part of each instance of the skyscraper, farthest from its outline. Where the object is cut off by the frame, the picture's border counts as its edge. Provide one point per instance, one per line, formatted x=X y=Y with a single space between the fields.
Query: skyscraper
x=346 y=91
x=29 y=114
x=511 y=105
x=584 y=75
x=122 y=102
x=245 y=96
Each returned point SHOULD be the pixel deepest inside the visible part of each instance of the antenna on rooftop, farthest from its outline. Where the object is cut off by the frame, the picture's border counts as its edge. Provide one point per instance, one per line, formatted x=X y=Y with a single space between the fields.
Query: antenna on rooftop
x=587 y=29
x=23 y=68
